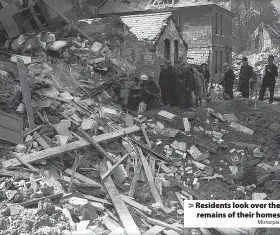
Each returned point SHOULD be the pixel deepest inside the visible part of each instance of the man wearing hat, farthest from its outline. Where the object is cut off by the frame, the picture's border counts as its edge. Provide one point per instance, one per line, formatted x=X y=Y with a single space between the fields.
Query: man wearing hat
x=150 y=92
x=271 y=72
x=228 y=80
x=245 y=77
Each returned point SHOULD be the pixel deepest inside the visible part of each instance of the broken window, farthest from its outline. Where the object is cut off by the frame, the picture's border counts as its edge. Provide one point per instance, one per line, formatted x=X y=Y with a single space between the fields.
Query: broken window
x=222 y=25
x=216 y=23
x=167 y=49
x=176 y=50
x=216 y=62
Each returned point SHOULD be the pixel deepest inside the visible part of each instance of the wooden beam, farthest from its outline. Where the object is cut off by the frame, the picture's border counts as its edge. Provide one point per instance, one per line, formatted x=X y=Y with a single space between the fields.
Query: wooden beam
x=135 y=179
x=25 y=92
x=124 y=215
x=163 y=224
x=150 y=178
x=35 y=16
x=83 y=178
x=96 y=199
x=68 y=21
x=154 y=230
x=135 y=204
x=35 y=201
x=96 y=146
x=146 y=136
x=53 y=152
x=110 y=171
x=178 y=195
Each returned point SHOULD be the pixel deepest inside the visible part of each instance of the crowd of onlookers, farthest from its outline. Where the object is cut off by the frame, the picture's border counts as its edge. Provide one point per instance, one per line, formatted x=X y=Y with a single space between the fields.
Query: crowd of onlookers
x=183 y=85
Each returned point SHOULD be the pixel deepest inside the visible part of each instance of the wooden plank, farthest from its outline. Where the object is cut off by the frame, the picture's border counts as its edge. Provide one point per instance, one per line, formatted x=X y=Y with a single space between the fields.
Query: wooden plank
x=178 y=195
x=110 y=171
x=96 y=199
x=40 y=140
x=150 y=177
x=32 y=168
x=124 y=215
x=136 y=176
x=146 y=136
x=35 y=16
x=135 y=204
x=152 y=165
x=68 y=21
x=35 y=201
x=11 y=128
x=163 y=224
x=96 y=146
x=83 y=178
x=164 y=168
x=25 y=92
x=4 y=172
x=53 y=152
x=154 y=230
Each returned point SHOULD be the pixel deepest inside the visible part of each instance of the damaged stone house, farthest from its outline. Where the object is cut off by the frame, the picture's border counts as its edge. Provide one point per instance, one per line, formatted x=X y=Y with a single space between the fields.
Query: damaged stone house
x=158 y=39
x=205 y=26
x=264 y=37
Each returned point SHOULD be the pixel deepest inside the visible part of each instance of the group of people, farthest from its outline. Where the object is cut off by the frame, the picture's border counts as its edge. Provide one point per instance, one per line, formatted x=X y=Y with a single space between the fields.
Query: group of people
x=178 y=83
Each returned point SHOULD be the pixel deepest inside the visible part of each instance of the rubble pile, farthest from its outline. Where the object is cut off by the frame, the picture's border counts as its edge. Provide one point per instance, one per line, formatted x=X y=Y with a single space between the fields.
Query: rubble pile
x=87 y=166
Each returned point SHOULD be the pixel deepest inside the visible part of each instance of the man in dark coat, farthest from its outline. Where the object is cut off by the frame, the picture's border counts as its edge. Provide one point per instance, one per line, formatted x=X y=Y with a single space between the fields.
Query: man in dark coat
x=167 y=83
x=206 y=73
x=269 y=79
x=163 y=89
x=245 y=76
x=228 y=80
x=150 y=93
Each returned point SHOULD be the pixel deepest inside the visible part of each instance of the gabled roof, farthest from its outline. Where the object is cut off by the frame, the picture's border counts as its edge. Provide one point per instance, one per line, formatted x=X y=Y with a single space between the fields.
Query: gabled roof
x=133 y=6
x=147 y=26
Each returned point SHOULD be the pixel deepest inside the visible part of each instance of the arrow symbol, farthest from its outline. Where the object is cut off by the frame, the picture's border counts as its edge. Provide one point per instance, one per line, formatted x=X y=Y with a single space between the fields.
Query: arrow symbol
x=191 y=205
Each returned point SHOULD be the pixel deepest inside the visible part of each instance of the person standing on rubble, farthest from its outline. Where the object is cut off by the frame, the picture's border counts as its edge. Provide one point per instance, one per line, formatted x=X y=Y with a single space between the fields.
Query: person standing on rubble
x=206 y=74
x=164 y=91
x=228 y=80
x=245 y=77
x=269 y=79
x=167 y=83
x=150 y=92
x=200 y=89
x=181 y=84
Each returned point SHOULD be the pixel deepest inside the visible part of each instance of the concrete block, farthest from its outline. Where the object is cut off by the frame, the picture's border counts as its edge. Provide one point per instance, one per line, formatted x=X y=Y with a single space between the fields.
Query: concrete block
x=21 y=108
x=89 y=124
x=20 y=148
x=49 y=92
x=166 y=115
x=28 y=138
x=187 y=125
x=108 y=112
x=66 y=122
x=62 y=129
x=96 y=46
x=241 y=128
x=62 y=140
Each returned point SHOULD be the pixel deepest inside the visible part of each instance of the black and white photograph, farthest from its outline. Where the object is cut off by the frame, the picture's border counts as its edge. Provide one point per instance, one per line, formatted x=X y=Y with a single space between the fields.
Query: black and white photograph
x=139 y=117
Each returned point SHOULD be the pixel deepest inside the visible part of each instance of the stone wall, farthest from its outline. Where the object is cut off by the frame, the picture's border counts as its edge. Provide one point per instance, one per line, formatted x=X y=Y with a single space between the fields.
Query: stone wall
x=147 y=56
x=222 y=39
